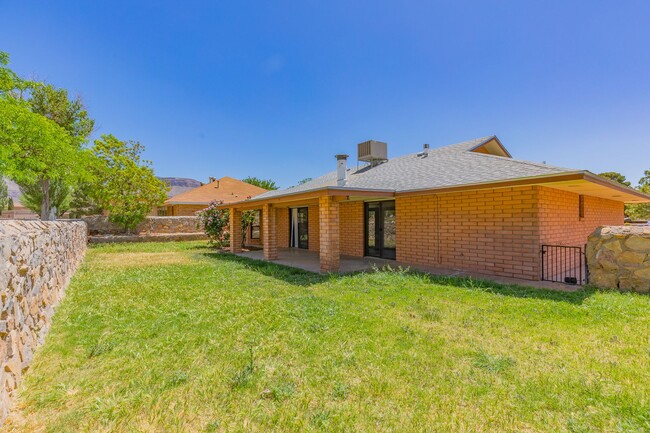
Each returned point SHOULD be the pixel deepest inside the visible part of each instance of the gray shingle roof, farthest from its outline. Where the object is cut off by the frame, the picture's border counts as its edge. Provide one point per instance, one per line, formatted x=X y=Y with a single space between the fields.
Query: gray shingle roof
x=452 y=165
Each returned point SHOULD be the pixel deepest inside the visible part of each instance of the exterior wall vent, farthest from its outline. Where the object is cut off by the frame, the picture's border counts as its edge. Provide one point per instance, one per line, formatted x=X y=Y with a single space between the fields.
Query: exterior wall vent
x=373 y=152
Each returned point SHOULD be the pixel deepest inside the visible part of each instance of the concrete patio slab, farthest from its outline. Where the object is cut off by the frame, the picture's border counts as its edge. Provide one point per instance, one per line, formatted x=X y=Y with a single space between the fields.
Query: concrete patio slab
x=309 y=261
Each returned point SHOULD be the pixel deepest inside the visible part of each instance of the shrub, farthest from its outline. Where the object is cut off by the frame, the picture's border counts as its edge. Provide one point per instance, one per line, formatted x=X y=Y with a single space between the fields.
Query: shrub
x=215 y=224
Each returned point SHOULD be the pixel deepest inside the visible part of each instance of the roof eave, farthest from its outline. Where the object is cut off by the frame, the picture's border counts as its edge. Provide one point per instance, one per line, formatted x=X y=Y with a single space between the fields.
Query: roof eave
x=315 y=192
x=534 y=180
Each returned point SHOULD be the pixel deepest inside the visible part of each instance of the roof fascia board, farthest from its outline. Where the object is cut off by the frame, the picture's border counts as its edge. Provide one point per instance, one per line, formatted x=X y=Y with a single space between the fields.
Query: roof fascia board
x=577 y=175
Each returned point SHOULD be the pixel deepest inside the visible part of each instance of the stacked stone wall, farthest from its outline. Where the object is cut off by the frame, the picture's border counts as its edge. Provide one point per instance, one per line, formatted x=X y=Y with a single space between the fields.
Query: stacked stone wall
x=152 y=225
x=37 y=260
x=618 y=257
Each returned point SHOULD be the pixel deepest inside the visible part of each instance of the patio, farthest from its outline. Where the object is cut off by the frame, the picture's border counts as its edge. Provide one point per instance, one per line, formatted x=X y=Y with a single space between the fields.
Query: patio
x=310 y=261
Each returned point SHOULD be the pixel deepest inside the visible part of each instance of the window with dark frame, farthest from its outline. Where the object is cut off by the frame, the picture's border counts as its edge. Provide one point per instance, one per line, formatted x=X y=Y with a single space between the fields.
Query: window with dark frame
x=581 y=206
x=255 y=226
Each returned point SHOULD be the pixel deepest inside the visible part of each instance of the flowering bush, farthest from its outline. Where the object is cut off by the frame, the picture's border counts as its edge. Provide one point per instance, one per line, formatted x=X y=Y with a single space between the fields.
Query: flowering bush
x=215 y=224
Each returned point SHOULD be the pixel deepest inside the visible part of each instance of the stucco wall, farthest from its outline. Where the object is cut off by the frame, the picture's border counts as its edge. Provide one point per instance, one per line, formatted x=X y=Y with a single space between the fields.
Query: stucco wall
x=619 y=258
x=37 y=260
x=99 y=225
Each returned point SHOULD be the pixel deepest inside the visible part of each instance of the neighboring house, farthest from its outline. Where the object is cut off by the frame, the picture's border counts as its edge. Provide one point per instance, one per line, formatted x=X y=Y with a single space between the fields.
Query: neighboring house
x=467 y=206
x=176 y=185
x=226 y=189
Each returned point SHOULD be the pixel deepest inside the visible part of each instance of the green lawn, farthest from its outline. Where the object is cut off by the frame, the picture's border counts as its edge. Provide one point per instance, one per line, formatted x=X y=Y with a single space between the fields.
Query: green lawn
x=172 y=337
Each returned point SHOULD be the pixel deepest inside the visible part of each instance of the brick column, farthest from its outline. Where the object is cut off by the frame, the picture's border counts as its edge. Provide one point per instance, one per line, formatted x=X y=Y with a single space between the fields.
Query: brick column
x=269 y=239
x=328 y=218
x=235 y=230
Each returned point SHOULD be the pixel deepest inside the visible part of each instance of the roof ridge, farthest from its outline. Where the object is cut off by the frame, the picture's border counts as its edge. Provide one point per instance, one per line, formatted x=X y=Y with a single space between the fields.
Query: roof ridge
x=520 y=161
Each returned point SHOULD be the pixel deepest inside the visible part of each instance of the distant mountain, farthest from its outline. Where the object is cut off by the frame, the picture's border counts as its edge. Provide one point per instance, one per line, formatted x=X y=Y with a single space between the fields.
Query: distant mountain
x=180 y=184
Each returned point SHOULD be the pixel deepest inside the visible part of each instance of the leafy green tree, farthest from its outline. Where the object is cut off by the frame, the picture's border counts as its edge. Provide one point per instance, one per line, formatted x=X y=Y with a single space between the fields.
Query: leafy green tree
x=56 y=105
x=616 y=177
x=262 y=183
x=125 y=184
x=82 y=201
x=10 y=204
x=4 y=195
x=34 y=148
x=641 y=211
x=59 y=196
x=71 y=115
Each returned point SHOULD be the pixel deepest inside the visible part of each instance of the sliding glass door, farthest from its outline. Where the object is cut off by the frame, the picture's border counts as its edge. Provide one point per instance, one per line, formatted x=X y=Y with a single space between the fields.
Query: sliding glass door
x=380 y=240
x=298 y=228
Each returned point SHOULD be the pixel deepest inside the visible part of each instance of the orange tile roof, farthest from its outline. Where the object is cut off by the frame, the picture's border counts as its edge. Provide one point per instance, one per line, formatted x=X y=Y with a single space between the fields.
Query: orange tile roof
x=225 y=189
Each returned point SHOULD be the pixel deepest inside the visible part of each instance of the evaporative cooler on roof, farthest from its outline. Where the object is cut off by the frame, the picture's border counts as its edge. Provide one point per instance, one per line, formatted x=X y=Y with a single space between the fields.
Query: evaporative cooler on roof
x=373 y=152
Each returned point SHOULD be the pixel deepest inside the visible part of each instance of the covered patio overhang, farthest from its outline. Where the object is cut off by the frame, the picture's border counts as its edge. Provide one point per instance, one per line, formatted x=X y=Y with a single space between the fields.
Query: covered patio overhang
x=327 y=199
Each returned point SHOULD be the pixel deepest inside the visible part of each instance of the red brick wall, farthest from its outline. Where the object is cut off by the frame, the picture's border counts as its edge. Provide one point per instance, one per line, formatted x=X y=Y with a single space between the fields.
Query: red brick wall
x=490 y=231
x=184 y=209
x=330 y=239
x=351 y=228
x=312 y=226
x=560 y=223
x=282 y=227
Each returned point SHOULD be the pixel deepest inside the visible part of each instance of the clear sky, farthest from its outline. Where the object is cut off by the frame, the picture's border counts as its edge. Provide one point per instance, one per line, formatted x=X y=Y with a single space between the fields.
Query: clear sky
x=274 y=89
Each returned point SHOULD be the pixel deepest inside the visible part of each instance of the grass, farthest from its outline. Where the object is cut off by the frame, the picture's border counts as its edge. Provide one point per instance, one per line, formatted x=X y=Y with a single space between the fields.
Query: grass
x=173 y=338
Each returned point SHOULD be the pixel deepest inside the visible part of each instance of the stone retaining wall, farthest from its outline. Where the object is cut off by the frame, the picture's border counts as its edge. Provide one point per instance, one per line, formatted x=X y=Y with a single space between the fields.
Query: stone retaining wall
x=618 y=257
x=99 y=225
x=37 y=260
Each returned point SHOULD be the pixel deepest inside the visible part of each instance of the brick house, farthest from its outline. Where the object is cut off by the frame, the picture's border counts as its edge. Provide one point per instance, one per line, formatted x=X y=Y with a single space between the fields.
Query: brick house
x=226 y=189
x=467 y=206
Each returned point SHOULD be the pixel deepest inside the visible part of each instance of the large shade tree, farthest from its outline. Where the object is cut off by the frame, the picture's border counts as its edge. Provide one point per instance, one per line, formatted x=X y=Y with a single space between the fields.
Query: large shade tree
x=34 y=147
x=4 y=195
x=641 y=211
x=633 y=211
x=262 y=183
x=124 y=183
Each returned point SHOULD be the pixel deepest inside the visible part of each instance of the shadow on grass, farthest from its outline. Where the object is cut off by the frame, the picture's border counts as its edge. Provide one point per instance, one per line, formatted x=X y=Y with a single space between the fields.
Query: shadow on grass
x=511 y=290
x=294 y=276
x=304 y=278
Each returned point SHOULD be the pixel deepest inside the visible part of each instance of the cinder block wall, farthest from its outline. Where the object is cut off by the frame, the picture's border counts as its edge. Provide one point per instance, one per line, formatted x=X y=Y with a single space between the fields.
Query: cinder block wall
x=37 y=260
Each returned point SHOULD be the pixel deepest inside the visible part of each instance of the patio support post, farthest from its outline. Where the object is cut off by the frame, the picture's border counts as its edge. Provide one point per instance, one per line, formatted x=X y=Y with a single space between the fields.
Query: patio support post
x=269 y=239
x=235 y=230
x=328 y=219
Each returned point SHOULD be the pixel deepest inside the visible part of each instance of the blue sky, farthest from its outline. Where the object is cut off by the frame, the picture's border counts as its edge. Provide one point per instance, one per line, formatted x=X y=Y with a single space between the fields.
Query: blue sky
x=275 y=89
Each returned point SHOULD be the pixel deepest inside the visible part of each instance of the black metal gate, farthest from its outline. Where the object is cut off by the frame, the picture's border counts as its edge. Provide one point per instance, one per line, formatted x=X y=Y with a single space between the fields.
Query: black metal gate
x=564 y=264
